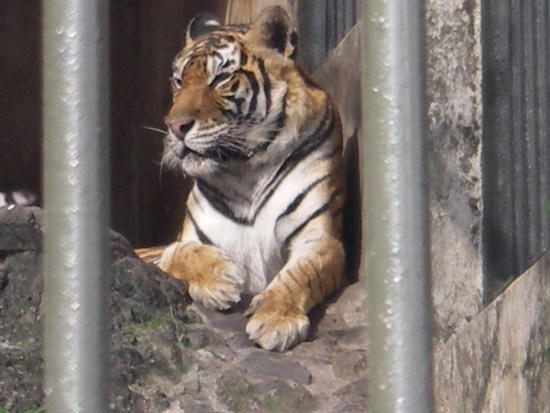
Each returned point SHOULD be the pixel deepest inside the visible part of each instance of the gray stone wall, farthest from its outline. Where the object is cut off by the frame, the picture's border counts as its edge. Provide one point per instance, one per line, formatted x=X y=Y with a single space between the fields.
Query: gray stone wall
x=453 y=85
x=493 y=359
x=453 y=99
x=500 y=362
x=454 y=113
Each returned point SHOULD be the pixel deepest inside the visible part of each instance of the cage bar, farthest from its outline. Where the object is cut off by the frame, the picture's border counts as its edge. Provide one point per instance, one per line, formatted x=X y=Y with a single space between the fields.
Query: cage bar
x=394 y=197
x=76 y=201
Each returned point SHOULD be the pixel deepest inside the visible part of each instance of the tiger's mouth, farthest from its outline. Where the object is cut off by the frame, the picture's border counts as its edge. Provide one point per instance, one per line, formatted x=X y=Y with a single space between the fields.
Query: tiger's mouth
x=179 y=149
x=223 y=154
x=219 y=154
x=185 y=150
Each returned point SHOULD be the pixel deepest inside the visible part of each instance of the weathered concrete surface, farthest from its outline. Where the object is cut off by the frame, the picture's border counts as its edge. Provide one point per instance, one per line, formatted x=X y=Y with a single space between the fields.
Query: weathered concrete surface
x=453 y=83
x=500 y=362
x=169 y=355
x=454 y=121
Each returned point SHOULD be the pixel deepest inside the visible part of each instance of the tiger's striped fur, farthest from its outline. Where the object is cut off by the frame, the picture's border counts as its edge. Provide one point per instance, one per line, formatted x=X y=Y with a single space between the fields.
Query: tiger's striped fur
x=263 y=145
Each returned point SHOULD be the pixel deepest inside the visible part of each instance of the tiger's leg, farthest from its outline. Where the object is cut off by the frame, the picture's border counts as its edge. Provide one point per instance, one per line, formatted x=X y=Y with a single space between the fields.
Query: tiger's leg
x=279 y=313
x=211 y=278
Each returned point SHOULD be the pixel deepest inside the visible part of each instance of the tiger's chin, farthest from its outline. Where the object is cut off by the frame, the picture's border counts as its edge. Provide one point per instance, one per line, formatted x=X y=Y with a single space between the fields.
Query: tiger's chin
x=189 y=163
x=196 y=167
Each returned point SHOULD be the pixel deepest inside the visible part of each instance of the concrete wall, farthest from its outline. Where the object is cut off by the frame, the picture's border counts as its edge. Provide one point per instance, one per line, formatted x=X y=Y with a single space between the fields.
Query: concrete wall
x=486 y=359
x=453 y=58
x=453 y=82
x=500 y=362
x=491 y=359
x=453 y=99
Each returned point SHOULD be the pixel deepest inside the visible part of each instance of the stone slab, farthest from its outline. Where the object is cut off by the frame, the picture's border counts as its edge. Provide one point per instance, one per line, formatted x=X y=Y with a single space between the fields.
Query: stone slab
x=453 y=97
x=500 y=362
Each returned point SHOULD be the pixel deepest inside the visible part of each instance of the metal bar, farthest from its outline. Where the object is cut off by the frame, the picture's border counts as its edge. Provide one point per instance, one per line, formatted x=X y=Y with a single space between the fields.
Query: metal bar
x=498 y=157
x=394 y=193
x=330 y=27
x=312 y=46
x=542 y=114
x=76 y=199
x=530 y=138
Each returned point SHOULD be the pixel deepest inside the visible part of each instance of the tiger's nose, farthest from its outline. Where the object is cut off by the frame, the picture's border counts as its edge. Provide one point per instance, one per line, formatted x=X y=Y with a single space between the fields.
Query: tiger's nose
x=180 y=128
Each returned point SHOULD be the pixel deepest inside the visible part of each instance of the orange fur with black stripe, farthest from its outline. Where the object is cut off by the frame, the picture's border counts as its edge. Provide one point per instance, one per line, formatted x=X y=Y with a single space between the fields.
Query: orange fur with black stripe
x=262 y=144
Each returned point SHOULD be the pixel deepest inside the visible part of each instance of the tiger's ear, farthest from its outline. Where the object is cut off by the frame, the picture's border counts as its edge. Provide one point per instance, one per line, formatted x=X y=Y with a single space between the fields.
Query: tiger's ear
x=274 y=30
x=200 y=24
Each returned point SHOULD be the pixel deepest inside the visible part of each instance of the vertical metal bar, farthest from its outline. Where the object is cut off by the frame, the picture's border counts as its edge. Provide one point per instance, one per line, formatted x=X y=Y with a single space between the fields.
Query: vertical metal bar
x=515 y=142
x=498 y=156
x=331 y=26
x=350 y=16
x=532 y=226
x=541 y=108
x=395 y=207
x=312 y=46
x=518 y=144
x=76 y=198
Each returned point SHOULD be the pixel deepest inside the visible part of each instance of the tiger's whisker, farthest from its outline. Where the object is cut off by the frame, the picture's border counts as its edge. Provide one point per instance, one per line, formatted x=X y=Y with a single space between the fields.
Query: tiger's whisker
x=151 y=128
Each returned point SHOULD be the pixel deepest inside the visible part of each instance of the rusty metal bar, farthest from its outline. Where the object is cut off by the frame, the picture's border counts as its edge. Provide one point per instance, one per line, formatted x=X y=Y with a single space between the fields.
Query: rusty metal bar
x=394 y=195
x=76 y=200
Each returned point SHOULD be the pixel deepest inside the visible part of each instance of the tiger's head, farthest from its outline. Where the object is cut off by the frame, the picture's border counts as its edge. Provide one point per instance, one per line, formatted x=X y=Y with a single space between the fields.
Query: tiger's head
x=228 y=92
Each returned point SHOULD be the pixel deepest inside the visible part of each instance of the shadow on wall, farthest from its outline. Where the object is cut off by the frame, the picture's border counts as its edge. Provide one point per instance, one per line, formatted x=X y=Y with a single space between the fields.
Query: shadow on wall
x=352 y=208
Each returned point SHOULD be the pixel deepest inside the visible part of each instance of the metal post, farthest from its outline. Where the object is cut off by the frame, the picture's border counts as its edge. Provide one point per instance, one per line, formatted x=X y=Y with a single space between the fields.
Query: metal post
x=76 y=200
x=395 y=207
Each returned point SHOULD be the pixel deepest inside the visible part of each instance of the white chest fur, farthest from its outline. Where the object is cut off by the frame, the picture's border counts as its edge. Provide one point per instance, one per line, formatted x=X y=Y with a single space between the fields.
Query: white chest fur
x=253 y=247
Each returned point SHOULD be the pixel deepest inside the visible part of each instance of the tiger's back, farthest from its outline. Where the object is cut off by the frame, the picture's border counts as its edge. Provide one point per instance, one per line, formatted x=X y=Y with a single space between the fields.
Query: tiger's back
x=262 y=144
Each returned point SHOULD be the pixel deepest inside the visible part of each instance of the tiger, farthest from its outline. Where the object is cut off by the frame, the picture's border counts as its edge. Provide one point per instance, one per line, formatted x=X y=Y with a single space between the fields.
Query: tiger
x=262 y=144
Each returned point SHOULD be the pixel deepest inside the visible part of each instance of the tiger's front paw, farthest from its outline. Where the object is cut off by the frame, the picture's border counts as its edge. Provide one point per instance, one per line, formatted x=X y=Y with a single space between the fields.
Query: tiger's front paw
x=276 y=324
x=220 y=290
x=212 y=278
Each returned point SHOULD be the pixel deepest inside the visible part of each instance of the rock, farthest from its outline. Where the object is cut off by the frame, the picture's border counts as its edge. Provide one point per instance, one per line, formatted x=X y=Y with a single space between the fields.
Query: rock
x=354 y=391
x=241 y=395
x=276 y=366
x=20 y=228
x=20 y=330
x=171 y=355
x=350 y=364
